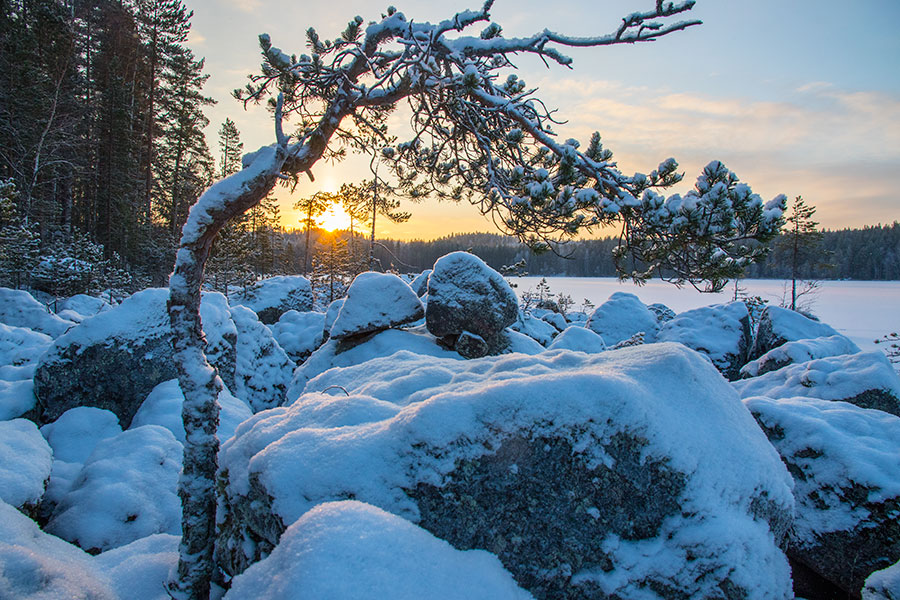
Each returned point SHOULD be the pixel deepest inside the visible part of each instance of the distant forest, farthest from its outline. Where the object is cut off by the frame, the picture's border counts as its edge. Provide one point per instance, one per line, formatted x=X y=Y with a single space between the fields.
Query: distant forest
x=871 y=253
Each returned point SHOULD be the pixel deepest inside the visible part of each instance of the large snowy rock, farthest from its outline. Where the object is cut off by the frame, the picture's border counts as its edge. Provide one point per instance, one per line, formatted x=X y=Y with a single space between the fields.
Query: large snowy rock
x=38 y=566
x=332 y=354
x=865 y=379
x=580 y=339
x=846 y=470
x=883 y=584
x=263 y=370
x=721 y=332
x=780 y=325
x=83 y=306
x=464 y=294
x=537 y=329
x=797 y=352
x=620 y=474
x=126 y=490
x=18 y=308
x=299 y=333
x=375 y=302
x=354 y=550
x=163 y=407
x=271 y=298
x=115 y=358
x=419 y=284
x=25 y=460
x=621 y=317
x=20 y=349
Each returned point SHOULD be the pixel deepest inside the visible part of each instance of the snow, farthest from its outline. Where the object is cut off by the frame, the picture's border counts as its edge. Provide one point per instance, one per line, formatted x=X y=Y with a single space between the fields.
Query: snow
x=836 y=445
x=19 y=309
x=354 y=550
x=163 y=407
x=663 y=393
x=831 y=378
x=125 y=491
x=38 y=566
x=284 y=292
x=83 y=305
x=140 y=570
x=791 y=325
x=386 y=343
x=579 y=339
x=263 y=370
x=374 y=302
x=75 y=434
x=16 y=398
x=332 y=313
x=537 y=329
x=520 y=343
x=622 y=316
x=717 y=331
x=299 y=333
x=20 y=349
x=799 y=351
x=883 y=584
x=25 y=460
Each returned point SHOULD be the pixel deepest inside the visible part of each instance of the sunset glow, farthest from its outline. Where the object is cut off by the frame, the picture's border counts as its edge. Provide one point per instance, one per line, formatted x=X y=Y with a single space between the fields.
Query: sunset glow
x=334 y=219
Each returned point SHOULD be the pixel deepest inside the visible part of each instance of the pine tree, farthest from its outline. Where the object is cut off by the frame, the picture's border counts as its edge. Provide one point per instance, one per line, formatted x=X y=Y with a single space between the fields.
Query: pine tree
x=310 y=208
x=231 y=147
x=799 y=240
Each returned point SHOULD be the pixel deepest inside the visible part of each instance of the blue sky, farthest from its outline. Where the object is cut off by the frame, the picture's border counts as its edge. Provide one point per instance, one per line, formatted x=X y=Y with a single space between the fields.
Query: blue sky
x=798 y=97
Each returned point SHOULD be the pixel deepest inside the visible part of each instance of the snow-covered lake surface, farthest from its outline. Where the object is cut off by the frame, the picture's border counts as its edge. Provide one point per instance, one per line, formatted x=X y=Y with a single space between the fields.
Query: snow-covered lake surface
x=861 y=310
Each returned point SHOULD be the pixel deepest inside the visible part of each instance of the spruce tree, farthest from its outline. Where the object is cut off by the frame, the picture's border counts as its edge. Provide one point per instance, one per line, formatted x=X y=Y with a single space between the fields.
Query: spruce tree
x=231 y=149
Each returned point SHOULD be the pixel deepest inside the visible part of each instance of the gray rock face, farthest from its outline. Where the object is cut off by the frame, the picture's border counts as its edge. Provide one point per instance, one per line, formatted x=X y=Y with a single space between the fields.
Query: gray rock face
x=464 y=294
x=722 y=332
x=567 y=466
x=780 y=325
x=114 y=359
x=847 y=493
x=271 y=298
x=469 y=345
x=663 y=313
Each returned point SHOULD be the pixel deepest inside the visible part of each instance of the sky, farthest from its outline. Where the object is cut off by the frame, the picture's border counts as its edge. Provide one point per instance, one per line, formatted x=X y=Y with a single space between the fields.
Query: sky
x=800 y=97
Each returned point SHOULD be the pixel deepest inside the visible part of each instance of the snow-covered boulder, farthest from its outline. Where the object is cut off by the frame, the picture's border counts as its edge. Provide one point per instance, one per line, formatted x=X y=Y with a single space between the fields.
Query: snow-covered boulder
x=554 y=318
x=354 y=550
x=663 y=313
x=721 y=332
x=420 y=283
x=386 y=343
x=537 y=329
x=18 y=308
x=464 y=294
x=115 y=358
x=140 y=570
x=865 y=379
x=846 y=470
x=73 y=438
x=263 y=370
x=38 y=566
x=780 y=325
x=621 y=317
x=798 y=352
x=608 y=475
x=25 y=460
x=163 y=407
x=126 y=490
x=332 y=312
x=375 y=302
x=299 y=333
x=17 y=399
x=20 y=349
x=83 y=305
x=580 y=339
x=883 y=584
x=272 y=297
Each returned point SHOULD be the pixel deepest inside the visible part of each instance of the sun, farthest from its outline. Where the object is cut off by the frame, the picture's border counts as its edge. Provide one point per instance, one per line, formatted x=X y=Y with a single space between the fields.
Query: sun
x=334 y=219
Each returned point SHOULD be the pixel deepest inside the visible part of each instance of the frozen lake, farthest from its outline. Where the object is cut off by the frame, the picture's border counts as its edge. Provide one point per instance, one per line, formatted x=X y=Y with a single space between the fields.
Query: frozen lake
x=861 y=310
